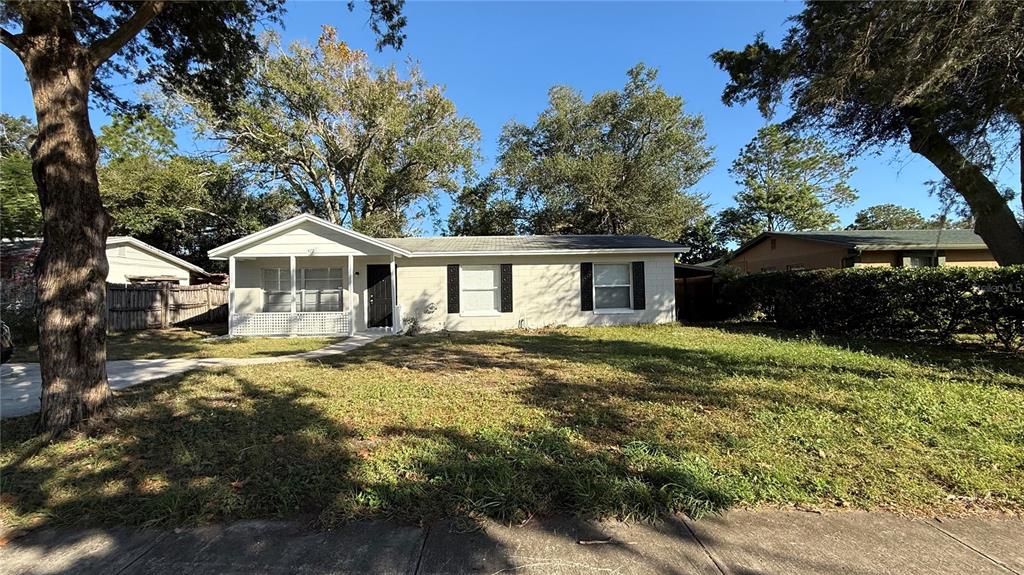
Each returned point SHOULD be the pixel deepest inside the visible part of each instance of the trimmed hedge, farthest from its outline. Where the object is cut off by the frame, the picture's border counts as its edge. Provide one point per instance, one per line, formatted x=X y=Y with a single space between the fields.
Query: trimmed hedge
x=902 y=303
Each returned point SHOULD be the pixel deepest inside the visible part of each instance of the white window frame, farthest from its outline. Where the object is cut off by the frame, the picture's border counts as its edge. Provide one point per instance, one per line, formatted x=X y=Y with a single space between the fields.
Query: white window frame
x=496 y=289
x=594 y=287
x=287 y=273
x=300 y=305
x=934 y=260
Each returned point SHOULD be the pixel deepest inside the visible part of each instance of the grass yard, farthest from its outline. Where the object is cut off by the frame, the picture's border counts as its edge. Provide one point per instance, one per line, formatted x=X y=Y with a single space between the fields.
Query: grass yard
x=631 y=422
x=193 y=343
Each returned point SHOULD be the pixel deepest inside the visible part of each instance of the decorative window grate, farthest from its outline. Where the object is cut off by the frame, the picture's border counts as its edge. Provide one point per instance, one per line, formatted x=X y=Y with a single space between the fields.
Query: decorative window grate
x=300 y=323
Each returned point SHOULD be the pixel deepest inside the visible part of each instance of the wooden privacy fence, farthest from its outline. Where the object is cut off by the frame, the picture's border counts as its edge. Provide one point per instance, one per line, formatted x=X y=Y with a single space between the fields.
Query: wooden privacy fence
x=146 y=306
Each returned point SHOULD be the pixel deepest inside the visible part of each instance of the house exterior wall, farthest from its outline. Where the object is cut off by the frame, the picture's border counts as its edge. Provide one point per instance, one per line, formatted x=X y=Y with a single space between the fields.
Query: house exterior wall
x=977 y=258
x=789 y=253
x=793 y=253
x=127 y=260
x=876 y=258
x=546 y=292
x=360 y=296
x=960 y=258
x=308 y=238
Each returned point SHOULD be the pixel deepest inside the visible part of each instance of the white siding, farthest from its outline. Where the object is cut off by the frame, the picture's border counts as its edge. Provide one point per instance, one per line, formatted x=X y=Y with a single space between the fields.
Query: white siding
x=546 y=292
x=308 y=238
x=127 y=260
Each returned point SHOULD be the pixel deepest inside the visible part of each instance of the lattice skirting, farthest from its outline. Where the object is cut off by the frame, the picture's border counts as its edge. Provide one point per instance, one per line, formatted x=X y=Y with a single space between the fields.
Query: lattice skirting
x=300 y=323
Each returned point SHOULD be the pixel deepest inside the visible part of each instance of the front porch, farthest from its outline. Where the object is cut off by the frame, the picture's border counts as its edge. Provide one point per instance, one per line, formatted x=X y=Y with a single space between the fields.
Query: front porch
x=312 y=295
x=305 y=276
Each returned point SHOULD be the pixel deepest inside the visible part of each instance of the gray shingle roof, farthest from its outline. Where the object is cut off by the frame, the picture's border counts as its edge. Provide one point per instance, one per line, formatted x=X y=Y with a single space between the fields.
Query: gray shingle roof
x=486 y=244
x=895 y=239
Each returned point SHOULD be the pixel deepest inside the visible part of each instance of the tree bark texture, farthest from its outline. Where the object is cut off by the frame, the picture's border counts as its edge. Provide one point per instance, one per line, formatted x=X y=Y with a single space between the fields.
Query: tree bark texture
x=71 y=268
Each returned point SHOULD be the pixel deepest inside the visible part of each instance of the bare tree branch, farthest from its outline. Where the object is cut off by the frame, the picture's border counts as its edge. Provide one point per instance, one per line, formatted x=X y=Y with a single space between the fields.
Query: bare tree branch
x=102 y=50
x=12 y=41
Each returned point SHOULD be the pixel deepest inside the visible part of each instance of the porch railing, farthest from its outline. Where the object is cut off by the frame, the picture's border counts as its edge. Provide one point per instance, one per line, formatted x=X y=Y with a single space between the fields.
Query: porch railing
x=286 y=323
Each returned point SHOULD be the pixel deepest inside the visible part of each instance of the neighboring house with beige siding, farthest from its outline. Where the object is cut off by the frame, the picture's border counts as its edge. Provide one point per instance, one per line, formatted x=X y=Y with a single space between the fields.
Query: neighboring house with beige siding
x=780 y=251
x=130 y=261
x=307 y=276
x=134 y=261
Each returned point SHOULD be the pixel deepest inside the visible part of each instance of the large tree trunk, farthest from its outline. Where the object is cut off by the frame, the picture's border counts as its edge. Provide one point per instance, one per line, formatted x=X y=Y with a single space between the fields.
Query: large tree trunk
x=71 y=268
x=994 y=220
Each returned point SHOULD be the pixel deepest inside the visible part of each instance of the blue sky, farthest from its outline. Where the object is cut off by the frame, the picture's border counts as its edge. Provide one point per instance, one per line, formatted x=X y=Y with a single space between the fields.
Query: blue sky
x=498 y=59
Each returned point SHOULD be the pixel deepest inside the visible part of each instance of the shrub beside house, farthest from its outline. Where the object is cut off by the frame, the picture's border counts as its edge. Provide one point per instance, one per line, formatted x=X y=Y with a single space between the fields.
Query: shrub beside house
x=919 y=303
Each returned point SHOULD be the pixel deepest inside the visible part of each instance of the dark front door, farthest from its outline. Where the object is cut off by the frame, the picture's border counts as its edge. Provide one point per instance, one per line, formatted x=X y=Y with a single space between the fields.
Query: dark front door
x=378 y=290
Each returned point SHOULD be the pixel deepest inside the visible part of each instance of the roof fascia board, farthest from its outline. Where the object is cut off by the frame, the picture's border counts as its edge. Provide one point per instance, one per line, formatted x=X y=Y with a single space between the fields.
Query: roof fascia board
x=892 y=247
x=155 y=252
x=318 y=254
x=557 y=252
x=850 y=244
x=222 y=252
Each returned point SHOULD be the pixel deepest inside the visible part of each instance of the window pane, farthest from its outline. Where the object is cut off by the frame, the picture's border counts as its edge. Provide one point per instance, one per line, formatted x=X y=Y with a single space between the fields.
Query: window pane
x=326 y=300
x=320 y=278
x=612 y=298
x=277 y=279
x=270 y=279
x=277 y=301
x=321 y=284
x=479 y=277
x=315 y=274
x=483 y=300
x=611 y=274
x=922 y=261
x=329 y=301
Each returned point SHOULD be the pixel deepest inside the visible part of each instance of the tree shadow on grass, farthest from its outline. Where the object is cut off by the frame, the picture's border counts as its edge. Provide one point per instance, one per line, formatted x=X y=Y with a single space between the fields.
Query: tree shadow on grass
x=200 y=448
x=695 y=405
x=575 y=375
x=172 y=457
x=512 y=475
x=213 y=447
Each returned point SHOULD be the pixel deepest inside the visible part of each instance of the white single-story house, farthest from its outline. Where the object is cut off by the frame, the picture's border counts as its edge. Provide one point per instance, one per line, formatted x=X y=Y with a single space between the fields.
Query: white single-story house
x=135 y=261
x=130 y=260
x=306 y=276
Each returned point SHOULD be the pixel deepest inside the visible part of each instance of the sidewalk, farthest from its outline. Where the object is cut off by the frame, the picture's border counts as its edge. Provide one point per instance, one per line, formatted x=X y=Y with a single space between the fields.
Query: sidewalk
x=21 y=383
x=740 y=543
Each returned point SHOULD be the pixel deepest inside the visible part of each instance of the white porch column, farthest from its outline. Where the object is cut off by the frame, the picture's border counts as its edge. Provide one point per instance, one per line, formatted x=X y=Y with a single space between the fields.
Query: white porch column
x=291 y=266
x=396 y=322
x=231 y=295
x=350 y=295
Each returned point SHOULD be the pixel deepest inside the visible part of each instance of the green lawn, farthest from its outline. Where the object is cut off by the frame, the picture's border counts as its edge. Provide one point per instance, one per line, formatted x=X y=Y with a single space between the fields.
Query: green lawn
x=196 y=342
x=630 y=422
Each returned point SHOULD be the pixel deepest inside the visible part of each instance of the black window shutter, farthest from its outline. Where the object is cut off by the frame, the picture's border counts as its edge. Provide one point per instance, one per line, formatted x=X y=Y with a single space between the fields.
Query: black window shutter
x=453 y=288
x=587 y=286
x=639 y=292
x=506 y=288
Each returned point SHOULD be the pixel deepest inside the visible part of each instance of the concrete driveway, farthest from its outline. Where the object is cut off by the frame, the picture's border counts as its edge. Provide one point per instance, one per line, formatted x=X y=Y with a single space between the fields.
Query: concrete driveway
x=21 y=383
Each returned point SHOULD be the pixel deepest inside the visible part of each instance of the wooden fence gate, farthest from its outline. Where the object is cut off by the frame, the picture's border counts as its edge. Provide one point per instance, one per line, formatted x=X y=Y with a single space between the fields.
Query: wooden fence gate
x=146 y=306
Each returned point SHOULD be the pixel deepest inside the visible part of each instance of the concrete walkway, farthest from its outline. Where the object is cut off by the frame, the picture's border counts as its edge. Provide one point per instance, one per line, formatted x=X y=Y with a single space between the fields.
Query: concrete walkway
x=21 y=384
x=739 y=542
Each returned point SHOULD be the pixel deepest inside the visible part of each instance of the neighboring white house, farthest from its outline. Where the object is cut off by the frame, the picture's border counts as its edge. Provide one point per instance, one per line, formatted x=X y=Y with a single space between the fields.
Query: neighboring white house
x=307 y=276
x=130 y=261
x=134 y=261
